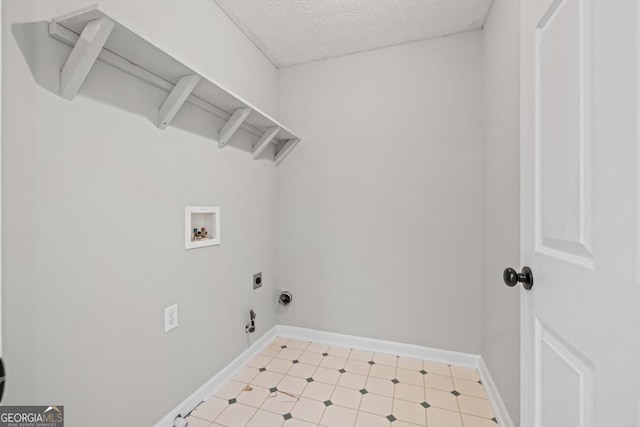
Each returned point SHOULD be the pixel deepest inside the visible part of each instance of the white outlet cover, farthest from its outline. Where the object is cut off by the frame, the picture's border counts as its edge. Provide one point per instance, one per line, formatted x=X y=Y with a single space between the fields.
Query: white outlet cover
x=171 y=317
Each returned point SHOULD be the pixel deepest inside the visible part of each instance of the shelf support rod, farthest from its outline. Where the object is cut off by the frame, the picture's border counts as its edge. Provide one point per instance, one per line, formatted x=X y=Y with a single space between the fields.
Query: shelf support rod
x=232 y=125
x=285 y=150
x=176 y=98
x=84 y=55
x=264 y=141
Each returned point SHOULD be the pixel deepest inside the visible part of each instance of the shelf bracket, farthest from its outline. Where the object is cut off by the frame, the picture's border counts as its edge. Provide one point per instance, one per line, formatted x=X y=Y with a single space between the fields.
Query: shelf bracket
x=285 y=150
x=84 y=55
x=264 y=141
x=176 y=98
x=232 y=125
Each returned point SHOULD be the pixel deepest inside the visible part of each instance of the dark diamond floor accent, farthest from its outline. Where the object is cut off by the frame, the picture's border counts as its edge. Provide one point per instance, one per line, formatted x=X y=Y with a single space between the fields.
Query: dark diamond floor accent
x=287 y=416
x=494 y=420
x=371 y=362
x=283 y=346
x=262 y=369
x=232 y=401
x=425 y=404
x=423 y=372
x=327 y=403
x=479 y=382
x=295 y=361
x=455 y=393
x=309 y=380
x=342 y=371
x=273 y=389
x=395 y=381
x=364 y=391
x=391 y=418
x=325 y=354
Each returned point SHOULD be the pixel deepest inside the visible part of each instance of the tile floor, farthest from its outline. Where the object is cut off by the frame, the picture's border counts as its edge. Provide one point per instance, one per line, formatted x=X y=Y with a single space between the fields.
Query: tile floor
x=296 y=383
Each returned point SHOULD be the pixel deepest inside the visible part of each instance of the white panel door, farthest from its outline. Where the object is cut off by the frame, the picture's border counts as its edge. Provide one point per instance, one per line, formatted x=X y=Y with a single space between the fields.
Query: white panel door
x=579 y=213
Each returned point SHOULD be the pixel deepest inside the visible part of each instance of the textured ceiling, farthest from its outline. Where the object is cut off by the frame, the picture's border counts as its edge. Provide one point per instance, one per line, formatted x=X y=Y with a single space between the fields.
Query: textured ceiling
x=292 y=32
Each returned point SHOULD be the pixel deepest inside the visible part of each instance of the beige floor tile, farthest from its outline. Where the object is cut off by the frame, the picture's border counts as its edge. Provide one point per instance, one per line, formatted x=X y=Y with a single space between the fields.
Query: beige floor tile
x=308 y=410
x=326 y=375
x=317 y=347
x=385 y=359
x=259 y=361
x=362 y=355
x=333 y=362
x=346 y=397
x=289 y=354
x=380 y=386
x=303 y=401
x=439 y=382
x=354 y=381
x=292 y=385
x=267 y=379
x=279 y=403
x=311 y=358
x=409 y=392
x=236 y=415
x=357 y=367
x=265 y=419
x=246 y=374
x=409 y=376
x=441 y=399
x=474 y=406
x=318 y=391
x=302 y=370
x=343 y=352
x=470 y=388
x=211 y=409
x=280 y=341
x=382 y=371
x=270 y=350
x=436 y=368
x=437 y=417
x=197 y=422
x=298 y=344
x=401 y=423
x=464 y=373
x=472 y=421
x=230 y=390
x=376 y=404
x=338 y=416
x=410 y=412
x=298 y=423
x=370 y=420
x=254 y=397
x=280 y=366
x=411 y=364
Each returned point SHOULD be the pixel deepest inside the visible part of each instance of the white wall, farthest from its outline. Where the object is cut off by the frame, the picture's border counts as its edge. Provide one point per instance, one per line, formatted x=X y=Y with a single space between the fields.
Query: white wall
x=501 y=199
x=380 y=209
x=93 y=197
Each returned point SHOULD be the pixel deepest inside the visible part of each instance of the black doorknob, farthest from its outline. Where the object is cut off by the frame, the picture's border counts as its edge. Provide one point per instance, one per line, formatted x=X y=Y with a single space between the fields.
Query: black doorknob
x=512 y=277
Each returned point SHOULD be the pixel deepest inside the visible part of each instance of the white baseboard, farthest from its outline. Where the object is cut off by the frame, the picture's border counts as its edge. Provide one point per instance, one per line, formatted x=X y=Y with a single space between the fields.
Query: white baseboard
x=209 y=388
x=381 y=346
x=332 y=338
x=499 y=408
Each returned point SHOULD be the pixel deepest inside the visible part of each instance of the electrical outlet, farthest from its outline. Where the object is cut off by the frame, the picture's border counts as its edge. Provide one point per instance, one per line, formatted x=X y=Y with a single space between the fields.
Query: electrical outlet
x=171 y=317
x=257 y=280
